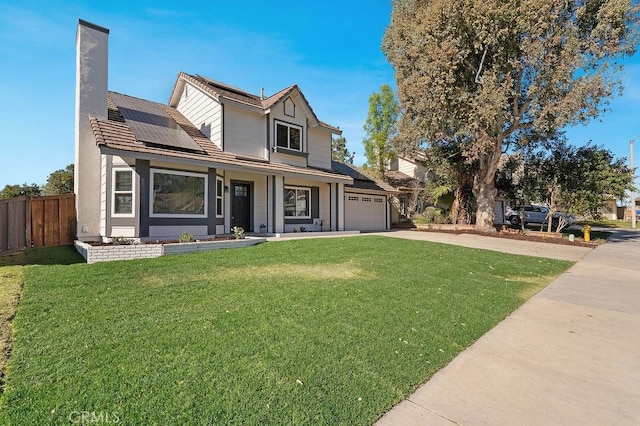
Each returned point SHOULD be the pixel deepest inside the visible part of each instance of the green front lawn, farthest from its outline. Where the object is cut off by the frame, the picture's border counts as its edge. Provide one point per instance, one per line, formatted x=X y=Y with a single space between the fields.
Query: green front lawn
x=318 y=331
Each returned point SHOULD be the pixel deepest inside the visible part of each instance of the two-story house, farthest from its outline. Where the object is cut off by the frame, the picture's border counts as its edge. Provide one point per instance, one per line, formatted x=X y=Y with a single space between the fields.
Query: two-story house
x=213 y=158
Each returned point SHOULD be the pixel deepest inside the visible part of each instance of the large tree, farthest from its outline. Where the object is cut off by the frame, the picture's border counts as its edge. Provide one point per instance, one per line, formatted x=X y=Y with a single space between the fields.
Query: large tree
x=10 y=191
x=485 y=74
x=381 y=129
x=59 y=182
x=339 y=151
x=578 y=180
x=451 y=177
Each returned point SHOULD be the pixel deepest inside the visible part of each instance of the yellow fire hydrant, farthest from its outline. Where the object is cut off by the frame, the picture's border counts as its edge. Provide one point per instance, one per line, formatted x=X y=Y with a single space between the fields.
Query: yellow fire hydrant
x=586 y=231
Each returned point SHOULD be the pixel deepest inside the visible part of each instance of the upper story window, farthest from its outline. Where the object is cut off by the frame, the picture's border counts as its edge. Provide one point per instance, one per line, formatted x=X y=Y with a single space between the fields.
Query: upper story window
x=122 y=192
x=289 y=136
x=178 y=194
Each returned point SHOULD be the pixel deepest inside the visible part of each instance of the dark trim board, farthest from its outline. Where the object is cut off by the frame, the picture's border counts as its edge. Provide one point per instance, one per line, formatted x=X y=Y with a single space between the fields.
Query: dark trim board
x=143 y=170
x=315 y=202
x=386 y=212
x=94 y=26
x=211 y=202
x=138 y=190
x=292 y=152
x=298 y=221
x=179 y=221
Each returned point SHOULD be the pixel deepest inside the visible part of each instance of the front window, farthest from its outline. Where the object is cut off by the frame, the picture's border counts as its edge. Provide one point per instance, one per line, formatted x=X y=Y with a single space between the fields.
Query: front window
x=122 y=192
x=289 y=136
x=297 y=202
x=178 y=194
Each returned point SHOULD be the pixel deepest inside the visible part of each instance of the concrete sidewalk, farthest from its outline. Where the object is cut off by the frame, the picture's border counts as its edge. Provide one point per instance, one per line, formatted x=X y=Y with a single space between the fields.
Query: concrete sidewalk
x=570 y=355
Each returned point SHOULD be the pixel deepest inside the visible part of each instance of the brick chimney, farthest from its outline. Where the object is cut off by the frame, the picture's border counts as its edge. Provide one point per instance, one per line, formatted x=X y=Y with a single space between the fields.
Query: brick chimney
x=91 y=100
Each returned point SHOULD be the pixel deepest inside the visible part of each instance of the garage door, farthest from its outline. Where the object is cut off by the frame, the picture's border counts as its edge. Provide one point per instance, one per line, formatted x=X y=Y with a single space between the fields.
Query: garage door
x=364 y=212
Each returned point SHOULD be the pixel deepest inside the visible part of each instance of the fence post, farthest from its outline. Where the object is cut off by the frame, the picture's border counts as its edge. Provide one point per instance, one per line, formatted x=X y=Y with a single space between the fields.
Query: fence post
x=27 y=231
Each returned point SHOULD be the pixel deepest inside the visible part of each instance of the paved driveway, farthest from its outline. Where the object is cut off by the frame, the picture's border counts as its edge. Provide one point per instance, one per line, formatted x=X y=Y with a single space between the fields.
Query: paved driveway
x=528 y=248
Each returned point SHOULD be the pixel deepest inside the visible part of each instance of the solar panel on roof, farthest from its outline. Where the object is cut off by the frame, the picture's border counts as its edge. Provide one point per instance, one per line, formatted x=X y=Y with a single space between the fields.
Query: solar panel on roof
x=150 y=123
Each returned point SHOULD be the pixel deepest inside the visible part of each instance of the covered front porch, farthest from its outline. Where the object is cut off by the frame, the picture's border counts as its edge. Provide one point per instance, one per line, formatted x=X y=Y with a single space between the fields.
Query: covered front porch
x=274 y=204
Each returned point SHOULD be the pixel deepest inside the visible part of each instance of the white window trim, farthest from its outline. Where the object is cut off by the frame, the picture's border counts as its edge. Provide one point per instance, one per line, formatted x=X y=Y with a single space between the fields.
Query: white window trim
x=182 y=173
x=220 y=196
x=288 y=125
x=308 y=199
x=114 y=192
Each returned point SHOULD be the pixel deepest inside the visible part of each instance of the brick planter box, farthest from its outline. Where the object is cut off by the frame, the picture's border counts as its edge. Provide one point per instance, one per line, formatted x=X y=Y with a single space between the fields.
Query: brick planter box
x=95 y=254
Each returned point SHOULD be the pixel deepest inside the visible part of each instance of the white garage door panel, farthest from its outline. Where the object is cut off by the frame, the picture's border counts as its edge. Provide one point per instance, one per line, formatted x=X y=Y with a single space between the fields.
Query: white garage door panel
x=364 y=212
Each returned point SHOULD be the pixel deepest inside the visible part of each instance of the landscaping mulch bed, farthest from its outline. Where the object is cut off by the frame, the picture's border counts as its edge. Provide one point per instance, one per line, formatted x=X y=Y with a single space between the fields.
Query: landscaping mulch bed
x=513 y=234
x=101 y=244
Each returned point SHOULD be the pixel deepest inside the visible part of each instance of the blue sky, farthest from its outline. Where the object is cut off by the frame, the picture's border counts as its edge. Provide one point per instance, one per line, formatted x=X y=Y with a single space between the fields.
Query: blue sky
x=331 y=49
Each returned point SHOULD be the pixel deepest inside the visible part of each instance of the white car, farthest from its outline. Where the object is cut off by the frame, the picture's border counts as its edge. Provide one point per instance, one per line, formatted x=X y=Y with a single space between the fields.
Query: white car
x=537 y=214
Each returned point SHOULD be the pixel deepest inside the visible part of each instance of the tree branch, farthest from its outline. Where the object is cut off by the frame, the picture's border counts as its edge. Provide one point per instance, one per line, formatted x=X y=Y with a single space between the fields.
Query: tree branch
x=516 y=98
x=517 y=124
x=478 y=77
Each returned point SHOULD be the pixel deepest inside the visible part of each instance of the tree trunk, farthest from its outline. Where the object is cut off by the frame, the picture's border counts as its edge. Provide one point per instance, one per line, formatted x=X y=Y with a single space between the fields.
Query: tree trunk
x=486 y=198
x=485 y=191
x=457 y=206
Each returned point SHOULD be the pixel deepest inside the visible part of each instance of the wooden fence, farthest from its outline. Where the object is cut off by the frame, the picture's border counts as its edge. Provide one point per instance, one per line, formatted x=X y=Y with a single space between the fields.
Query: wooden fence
x=13 y=223
x=37 y=222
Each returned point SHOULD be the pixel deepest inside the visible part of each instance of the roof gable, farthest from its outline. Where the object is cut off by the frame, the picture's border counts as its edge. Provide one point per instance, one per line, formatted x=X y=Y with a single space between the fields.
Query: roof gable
x=222 y=92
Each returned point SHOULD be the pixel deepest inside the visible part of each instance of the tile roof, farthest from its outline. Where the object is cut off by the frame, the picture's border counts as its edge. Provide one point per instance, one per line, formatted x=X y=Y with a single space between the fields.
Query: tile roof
x=401 y=181
x=361 y=179
x=114 y=134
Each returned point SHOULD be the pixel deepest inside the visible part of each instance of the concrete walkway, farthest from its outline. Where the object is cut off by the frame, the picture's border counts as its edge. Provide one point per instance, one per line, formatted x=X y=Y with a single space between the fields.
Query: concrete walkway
x=569 y=356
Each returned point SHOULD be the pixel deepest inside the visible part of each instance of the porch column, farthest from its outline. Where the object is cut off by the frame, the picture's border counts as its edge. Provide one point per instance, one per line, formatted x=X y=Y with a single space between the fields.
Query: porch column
x=333 y=202
x=340 y=225
x=278 y=203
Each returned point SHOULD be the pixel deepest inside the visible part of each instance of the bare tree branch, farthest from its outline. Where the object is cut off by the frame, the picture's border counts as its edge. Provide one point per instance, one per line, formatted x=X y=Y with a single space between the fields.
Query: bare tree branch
x=478 y=76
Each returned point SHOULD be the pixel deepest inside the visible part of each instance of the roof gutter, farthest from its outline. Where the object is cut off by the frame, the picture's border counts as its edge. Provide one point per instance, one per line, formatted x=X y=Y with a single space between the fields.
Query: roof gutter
x=226 y=166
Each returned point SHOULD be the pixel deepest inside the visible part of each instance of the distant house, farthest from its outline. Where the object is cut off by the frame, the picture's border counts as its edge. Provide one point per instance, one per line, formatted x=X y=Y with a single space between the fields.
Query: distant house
x=213 y=158
x=406 y=175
